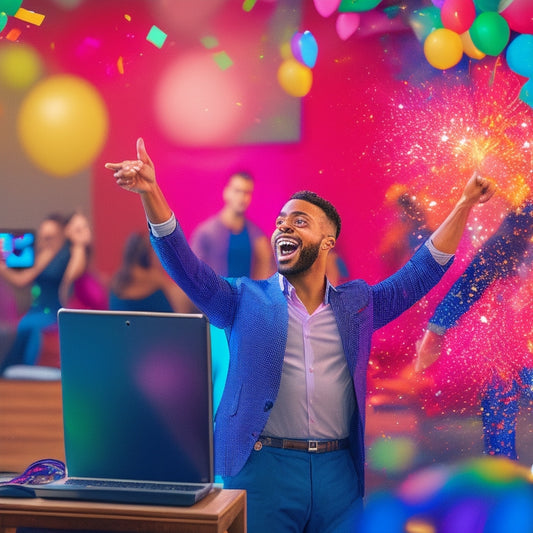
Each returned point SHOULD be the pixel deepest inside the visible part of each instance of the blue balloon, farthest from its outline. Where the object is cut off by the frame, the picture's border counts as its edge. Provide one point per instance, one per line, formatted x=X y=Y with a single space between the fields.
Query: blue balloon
x=384 y=512
x=309 y=49
x=304 y=48
x=512 y=510
x=520 y=55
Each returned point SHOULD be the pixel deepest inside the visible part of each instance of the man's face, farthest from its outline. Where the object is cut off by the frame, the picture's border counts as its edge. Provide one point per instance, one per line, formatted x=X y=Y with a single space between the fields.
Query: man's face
x=301 y=230
x=238 y=194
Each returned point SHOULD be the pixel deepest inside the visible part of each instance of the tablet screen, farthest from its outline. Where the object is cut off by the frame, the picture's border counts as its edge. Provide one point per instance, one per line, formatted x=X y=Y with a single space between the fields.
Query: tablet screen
x=17 y=248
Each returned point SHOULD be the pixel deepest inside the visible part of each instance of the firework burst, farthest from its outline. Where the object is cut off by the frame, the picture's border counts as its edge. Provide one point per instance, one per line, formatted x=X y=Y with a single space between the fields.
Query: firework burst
x=450 y=126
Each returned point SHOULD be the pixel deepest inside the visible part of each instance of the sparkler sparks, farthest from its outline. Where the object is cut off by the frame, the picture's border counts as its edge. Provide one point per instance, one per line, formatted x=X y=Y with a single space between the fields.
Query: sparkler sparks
x=452 y=125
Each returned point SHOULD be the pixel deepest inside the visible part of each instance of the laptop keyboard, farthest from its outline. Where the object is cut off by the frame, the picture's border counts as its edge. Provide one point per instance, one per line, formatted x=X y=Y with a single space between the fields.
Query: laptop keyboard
x=138 y=485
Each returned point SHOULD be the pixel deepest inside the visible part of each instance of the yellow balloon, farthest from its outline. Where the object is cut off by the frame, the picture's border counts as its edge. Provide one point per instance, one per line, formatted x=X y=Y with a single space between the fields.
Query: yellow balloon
x=295 y=78
x=62 y=125
x=443 y=48
x=470 y=48
x=20 y=65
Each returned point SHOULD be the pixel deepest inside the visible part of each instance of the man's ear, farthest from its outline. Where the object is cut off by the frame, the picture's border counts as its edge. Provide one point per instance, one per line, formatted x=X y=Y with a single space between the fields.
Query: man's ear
x=329 y=243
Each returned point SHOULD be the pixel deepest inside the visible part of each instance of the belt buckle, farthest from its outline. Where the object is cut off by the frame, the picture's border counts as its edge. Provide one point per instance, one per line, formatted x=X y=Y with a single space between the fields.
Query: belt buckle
x=312 y=446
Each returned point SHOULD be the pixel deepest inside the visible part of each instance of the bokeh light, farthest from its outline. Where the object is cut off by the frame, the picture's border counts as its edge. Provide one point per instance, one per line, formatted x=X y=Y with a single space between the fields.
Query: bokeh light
x=197 y=103
x=20 y=65
x=393 y=454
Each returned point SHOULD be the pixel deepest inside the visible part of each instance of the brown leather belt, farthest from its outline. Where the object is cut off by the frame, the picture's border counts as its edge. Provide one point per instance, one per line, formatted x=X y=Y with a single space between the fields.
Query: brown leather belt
x=312 y=446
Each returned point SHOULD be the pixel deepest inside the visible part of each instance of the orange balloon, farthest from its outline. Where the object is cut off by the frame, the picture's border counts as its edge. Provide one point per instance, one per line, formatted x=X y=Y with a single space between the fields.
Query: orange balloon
x=295 y=78
x=443 y=48
x=469 y=47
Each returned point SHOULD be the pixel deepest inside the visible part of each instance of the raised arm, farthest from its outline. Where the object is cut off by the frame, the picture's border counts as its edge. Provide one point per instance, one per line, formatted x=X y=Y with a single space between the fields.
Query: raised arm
x=447 y=236
x=139 y=176
x=195 y=277
x=79 y=235
x=25 y=277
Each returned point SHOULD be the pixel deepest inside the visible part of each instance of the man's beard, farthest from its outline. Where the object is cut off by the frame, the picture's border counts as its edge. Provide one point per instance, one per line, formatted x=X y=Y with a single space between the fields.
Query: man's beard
x=308 y=256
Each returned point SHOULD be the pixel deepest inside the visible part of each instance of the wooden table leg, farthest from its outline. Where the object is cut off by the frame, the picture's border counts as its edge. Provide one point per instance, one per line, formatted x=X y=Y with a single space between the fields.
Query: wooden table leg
x=239 y=524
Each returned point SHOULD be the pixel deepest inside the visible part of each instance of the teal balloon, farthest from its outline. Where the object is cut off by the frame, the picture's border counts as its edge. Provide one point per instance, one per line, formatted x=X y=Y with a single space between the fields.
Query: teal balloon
x=490 y=33
x=3 y=20
x=424 y=21
x=526 y=93
x=486 y=5
x=350 y=6
x=519 y=55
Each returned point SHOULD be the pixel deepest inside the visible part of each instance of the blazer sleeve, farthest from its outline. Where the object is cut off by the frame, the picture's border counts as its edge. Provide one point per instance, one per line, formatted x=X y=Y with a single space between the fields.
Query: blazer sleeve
x=397 y=293
x=212 y=294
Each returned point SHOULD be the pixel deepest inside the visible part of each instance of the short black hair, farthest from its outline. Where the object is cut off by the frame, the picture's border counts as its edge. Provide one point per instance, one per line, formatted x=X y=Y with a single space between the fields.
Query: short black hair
x=328 y=208
x=244 y=174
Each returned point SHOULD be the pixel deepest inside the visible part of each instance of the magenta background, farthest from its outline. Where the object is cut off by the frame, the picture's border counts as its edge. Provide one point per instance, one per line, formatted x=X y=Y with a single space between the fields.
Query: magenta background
x=344 y=151
x=352 y=145
x=330 y=158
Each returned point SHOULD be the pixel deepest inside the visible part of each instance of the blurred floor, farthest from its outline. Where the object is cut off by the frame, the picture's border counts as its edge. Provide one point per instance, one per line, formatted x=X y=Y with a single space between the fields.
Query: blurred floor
x=401 y=437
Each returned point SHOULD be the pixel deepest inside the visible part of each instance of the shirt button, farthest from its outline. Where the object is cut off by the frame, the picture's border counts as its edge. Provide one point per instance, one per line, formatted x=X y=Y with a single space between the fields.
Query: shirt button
x=258 y=446
x=268 y=405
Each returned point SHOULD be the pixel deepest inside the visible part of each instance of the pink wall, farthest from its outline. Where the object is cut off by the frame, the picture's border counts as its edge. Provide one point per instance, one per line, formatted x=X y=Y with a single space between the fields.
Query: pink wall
x=377 y=114
x=336 y=156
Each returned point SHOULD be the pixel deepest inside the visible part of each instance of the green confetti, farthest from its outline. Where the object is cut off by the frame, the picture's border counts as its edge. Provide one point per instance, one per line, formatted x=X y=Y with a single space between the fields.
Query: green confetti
x=222 y=60
x=35 y=292
x=209 y=41
x=156 y=36
x=248 y=5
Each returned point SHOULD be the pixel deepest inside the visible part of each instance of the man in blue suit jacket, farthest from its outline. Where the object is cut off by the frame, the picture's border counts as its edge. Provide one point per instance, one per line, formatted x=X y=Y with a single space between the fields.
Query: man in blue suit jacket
x=290 y=425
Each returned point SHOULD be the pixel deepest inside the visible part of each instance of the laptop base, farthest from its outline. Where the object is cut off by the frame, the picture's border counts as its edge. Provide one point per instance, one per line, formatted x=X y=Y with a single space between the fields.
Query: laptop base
x=114 y=495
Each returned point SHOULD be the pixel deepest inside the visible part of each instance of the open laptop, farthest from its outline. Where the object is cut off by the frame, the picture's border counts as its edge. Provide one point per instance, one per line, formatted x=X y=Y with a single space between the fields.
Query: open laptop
x=137 y=407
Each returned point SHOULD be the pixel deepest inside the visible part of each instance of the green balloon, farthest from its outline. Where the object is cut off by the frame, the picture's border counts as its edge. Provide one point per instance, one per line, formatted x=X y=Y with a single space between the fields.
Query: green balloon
x=490 y=33
x=350 y=6
x=486 y=5
x=10 y=7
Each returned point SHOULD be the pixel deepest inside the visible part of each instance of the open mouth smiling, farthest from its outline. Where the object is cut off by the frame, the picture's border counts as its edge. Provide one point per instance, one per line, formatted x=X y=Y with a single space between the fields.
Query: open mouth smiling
x=285 y=248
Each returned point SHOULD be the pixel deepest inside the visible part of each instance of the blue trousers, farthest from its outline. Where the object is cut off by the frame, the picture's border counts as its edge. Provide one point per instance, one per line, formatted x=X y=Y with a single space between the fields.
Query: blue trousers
x=291 y=491
x=500 y=409
x=27 y=345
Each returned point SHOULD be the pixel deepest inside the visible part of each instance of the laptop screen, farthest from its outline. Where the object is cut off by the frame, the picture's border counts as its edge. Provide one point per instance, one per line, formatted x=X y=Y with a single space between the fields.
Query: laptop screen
x=136 y=395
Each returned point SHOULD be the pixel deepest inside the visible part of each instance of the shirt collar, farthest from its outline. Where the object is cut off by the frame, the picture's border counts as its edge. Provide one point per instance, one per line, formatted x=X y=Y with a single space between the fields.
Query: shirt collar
x=289 y=291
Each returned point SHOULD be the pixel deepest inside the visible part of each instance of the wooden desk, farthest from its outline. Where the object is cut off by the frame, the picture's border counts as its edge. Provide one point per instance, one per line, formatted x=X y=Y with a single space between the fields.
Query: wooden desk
x=31 y=422
x=220 y=511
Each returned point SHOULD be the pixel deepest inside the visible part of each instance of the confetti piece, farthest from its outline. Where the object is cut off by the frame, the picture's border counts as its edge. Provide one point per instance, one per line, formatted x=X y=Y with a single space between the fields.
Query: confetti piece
x=222 y=60
x=156 y=36
x=3 y=20
x=120 y=65
x=29 y=16
x=13 y=34
x=127 y=17
x=248 y=5
x=209 y=41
